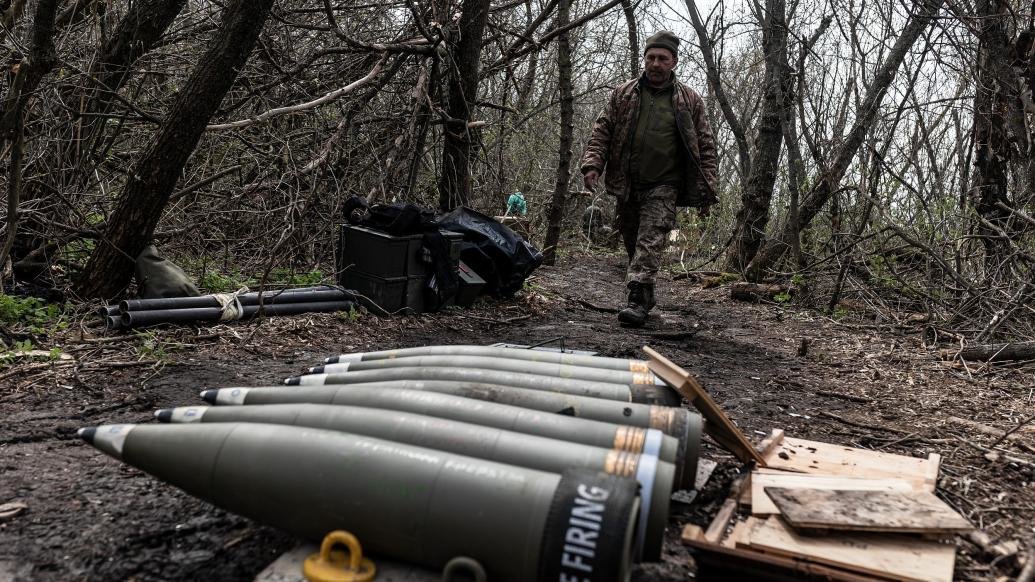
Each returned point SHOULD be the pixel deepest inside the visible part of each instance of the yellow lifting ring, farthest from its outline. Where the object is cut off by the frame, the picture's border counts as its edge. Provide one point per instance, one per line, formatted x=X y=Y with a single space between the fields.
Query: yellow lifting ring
x=332 y=565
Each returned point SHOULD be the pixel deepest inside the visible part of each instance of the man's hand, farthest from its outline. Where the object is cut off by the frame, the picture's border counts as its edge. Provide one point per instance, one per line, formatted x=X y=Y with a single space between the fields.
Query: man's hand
x=704 y=211
x=590 y=180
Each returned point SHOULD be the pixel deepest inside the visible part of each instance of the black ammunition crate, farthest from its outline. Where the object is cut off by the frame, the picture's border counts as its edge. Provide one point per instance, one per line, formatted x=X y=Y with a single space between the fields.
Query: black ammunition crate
x=470 y=286
x=377 y=253
x=456 y=240
x=386 y=295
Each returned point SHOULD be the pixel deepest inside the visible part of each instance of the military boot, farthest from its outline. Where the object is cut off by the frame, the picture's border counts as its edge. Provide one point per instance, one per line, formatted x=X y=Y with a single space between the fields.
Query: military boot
x=641 y=300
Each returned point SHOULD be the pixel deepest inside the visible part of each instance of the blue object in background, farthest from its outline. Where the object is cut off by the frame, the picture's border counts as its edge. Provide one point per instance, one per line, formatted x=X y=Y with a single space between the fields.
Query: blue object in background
x=516 y=204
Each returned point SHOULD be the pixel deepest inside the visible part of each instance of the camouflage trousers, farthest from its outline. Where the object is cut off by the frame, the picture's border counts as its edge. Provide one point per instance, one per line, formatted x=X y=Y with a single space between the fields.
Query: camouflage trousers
x=646 y=217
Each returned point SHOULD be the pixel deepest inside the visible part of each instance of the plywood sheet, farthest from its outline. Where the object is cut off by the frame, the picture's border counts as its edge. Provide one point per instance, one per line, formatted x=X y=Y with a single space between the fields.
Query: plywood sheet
x=804 y=456
x=761 y=504
x=899 y=557
x=872 y=511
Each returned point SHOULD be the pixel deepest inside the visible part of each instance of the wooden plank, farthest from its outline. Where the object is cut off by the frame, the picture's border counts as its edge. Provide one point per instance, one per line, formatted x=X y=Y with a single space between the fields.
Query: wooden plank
x=715 y=562
x=805 y=456
x=761 y=504
x=889 y=556
x=718 y=425
x=745 y=492
x=931 y=471
x=769 y=444
x=692 y=532
x=875 y=511
x=717 y=528
x=739 y=532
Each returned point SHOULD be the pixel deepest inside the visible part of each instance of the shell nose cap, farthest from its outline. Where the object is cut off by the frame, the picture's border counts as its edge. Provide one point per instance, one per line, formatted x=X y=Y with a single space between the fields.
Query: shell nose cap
x=87 y=433
x=209 y=396
x=164 y=415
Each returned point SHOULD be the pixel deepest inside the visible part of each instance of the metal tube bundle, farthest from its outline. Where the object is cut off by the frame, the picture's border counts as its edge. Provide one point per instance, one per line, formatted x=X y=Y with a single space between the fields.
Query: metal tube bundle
x=228 y=307
x=497 y=352
x=110 y=315
x=406 y=502
x=274 y=297
x=608 y=390
x=523 y=450
x=682 y=452
x=155 y=316
x=501 y=364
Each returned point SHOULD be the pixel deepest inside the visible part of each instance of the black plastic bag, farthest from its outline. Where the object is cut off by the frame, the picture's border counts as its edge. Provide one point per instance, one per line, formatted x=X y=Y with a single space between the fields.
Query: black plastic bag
x=492 y=250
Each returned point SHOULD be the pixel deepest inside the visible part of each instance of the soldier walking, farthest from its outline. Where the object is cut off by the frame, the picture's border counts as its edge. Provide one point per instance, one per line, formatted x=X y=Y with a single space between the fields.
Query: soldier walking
x=655 y=146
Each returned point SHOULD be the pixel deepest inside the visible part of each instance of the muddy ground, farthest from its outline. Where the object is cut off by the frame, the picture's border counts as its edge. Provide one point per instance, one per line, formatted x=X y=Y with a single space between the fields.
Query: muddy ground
x=863 y=382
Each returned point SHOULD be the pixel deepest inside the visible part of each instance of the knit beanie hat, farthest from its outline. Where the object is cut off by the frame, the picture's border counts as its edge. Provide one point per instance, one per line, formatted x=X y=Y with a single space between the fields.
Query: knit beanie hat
x=663 y=39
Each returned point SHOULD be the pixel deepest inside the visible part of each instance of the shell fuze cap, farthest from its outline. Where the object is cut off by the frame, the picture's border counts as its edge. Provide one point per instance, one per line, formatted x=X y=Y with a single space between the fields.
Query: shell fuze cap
x=663 y=39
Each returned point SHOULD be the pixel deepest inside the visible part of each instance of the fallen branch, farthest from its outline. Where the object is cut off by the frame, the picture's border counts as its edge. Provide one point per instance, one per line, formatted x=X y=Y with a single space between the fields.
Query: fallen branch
x=755 y=292
x=1009 y=434
x=851 y=397
x=589 y=305
x=994 y=352
x=695 y=275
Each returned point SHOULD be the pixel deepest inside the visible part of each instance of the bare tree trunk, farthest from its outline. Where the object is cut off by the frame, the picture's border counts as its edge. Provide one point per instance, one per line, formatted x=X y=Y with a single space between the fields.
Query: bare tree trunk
x=455 y=183
x=135 y=35
x=634 y=39
x=27 y=76
x=154 y=176
x=715 y=82
x=754 y=211
x=992 y=147
x=827 y=183
x=795 y=162
x=560 y=191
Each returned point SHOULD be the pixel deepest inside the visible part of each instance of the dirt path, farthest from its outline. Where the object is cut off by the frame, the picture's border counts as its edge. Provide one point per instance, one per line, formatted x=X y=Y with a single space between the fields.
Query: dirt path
x=862 y=383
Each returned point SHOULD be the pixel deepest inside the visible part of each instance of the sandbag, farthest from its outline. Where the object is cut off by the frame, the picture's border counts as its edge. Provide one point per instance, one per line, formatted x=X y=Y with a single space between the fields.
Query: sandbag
x=158 y=277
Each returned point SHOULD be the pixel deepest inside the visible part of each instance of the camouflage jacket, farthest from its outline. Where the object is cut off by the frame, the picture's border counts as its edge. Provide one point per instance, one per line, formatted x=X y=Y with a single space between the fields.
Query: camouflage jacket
x=611 y=142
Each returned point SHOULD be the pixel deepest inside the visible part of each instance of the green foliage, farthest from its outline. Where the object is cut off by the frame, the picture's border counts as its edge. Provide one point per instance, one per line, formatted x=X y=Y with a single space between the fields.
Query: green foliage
x=30 y=312
x=350 y=316
x=727 y=278
x=880 y=272
x=798 y=280
x=784 y=297
x=215 y=282
x=78 y=251
x=220 y=283
x=151 y=347
x=295 y=279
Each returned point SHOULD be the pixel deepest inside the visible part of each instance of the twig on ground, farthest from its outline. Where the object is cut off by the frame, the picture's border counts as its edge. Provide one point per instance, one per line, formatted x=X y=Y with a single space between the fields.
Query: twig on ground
x=852 y=397
x=1007 y=434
